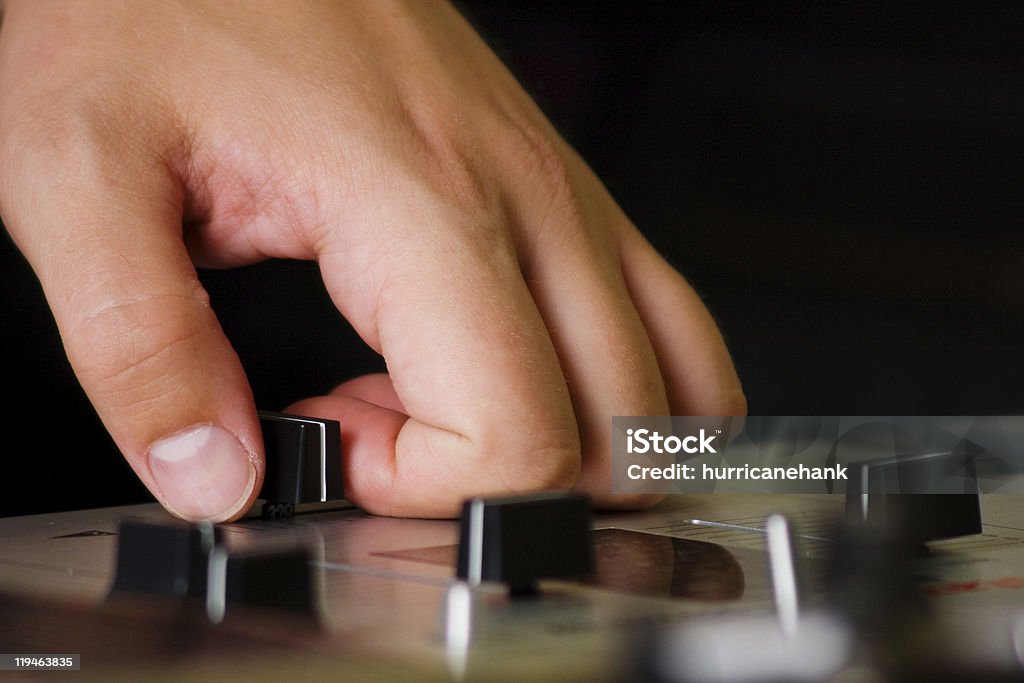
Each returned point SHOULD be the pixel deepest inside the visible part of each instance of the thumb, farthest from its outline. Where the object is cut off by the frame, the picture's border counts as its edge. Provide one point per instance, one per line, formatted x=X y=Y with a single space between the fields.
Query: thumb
x=138 y=328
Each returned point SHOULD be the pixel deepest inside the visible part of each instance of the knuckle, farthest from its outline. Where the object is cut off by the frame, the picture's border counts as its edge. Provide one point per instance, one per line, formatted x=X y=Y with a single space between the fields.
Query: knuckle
x=79 y=132
x=541 y=166
x=129 y=348
x=554 y=468
x=545 y=460
x=461 y=185
x=736 y=403
x=61 y=124
x=449 y=172
x=730 y=401
x=721 y=393
x=461 y=210
x=534 y=153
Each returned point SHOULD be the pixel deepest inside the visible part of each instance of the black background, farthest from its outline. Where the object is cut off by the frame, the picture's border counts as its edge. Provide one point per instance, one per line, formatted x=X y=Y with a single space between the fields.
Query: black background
x=840 y=185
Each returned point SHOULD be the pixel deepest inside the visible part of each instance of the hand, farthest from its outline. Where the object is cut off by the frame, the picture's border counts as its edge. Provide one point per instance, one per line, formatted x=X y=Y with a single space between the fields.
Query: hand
x=516 y=306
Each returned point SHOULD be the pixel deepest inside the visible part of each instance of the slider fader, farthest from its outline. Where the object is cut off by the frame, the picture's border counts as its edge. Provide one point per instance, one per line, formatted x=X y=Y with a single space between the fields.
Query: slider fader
x=303 y=463
x=730 y=588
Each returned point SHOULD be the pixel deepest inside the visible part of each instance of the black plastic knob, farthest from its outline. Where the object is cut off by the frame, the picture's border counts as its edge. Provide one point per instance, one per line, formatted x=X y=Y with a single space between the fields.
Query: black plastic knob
x=884 y=494
x=279 y=580
x=192 y=563
x=164 y=558
x=518 y=540
x=303 y=459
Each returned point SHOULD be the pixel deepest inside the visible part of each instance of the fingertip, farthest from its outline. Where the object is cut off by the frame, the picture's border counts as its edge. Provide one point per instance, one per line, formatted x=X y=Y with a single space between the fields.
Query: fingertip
x=203 y=473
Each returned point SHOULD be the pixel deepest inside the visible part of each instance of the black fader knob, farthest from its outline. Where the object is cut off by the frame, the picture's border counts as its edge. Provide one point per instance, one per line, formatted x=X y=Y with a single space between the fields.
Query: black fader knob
x=166 y=557
x=192 y=562
x=889 y=493
x=520 y=539
x=278 y=580
x=303 y=459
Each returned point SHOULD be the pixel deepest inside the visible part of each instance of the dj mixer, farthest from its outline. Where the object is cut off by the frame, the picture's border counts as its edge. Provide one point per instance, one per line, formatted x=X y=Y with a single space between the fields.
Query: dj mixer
x=722 y=587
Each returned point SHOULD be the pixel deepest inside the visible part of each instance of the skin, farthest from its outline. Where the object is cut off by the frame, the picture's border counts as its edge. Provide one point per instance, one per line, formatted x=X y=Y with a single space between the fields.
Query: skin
x=517 y=307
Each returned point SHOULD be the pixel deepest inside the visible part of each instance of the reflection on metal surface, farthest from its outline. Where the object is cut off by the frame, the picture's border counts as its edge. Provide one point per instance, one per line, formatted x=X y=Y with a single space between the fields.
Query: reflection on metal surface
x=650 y=564
x=641 y=563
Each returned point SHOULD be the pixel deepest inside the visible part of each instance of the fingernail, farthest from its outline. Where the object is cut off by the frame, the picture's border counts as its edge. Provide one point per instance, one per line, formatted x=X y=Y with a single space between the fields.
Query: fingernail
x=203 y=472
